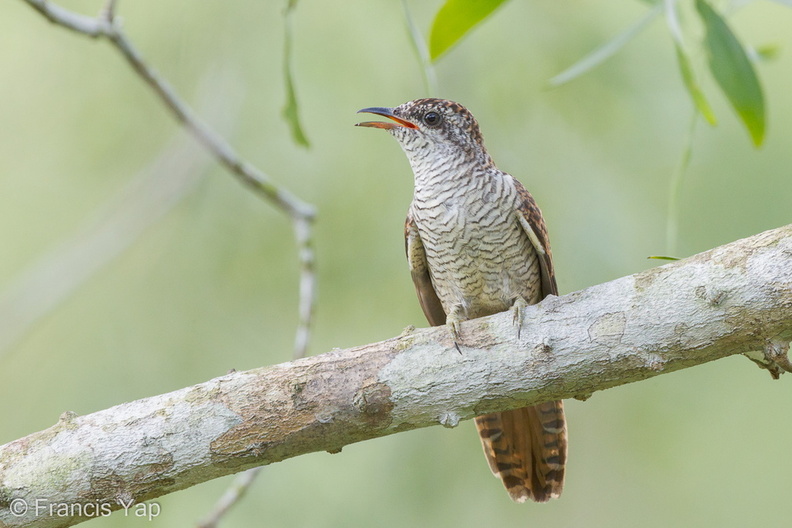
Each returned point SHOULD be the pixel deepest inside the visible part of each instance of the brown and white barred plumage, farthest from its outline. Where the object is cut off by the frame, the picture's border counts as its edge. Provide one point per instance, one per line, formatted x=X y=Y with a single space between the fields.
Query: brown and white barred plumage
x=476 y=242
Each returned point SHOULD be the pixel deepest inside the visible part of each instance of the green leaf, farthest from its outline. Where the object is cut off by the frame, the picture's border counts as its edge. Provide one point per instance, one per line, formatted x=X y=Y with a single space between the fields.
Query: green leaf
x=699 y=100
x=733 y=71
x=662 y=257
x=599 y=55
x=454 y=20
x=290 y=109
x=290 y=114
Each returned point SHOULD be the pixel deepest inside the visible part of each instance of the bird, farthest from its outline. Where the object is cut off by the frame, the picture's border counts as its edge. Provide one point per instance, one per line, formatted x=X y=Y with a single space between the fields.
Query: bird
x=477 y=244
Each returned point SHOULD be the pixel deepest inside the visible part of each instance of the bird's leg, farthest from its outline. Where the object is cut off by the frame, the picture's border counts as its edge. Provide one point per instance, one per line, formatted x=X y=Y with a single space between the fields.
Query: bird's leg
x=453 y=321
x=518 y=307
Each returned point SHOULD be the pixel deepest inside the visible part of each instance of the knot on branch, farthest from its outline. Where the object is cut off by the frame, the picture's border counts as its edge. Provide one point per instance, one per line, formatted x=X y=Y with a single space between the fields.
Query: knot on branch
x=374 y=403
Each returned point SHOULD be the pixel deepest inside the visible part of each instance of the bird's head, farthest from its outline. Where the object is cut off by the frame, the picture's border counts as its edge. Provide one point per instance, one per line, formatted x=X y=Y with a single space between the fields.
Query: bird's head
x=432 y=127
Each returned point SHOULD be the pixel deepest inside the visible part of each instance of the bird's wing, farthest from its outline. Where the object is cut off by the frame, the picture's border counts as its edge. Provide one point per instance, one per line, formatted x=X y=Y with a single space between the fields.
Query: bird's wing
x=533 y=224
x=416 y=257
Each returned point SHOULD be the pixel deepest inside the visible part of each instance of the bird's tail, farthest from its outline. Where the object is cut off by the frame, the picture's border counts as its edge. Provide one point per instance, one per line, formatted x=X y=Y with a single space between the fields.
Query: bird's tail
x=527 y=449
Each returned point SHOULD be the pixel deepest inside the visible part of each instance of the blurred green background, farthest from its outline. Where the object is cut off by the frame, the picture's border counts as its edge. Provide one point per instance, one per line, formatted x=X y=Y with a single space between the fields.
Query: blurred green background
x=213 y=284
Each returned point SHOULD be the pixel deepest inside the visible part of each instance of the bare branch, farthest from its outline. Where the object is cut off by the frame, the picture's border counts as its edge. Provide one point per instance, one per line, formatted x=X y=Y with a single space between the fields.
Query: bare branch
x=729 y=300
x=232 y=495
x=108 y=11
x=302 y=232
x=93 y=27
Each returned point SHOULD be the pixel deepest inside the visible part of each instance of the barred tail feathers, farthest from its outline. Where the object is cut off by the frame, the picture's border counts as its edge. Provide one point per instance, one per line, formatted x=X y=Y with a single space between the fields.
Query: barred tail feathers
x=527 y=448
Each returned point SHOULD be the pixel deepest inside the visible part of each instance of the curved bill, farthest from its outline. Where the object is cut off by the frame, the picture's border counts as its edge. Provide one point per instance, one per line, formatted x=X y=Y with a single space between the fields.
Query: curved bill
x=384 y=112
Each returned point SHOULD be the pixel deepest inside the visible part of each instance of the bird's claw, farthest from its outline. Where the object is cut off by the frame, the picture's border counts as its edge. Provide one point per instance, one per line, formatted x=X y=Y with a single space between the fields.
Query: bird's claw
x=518 y=309
x=453 y=322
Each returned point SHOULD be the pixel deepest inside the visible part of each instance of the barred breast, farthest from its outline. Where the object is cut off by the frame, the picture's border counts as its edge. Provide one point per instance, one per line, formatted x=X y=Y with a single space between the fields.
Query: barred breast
x=478 y=255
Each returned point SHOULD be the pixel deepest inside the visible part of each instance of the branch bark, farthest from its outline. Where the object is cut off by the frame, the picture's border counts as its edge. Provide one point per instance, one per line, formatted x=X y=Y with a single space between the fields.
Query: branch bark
x=733 y=299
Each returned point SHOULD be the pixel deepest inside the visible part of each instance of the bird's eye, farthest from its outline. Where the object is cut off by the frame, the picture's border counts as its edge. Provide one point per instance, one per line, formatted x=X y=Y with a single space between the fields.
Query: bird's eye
x=431 y=118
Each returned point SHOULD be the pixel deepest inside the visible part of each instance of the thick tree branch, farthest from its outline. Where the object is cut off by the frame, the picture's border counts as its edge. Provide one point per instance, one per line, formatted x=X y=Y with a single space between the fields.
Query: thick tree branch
x=733 y=299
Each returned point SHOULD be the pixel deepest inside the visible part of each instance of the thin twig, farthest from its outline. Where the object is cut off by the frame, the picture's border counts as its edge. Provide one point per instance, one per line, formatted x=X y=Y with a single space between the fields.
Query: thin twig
x=302 y=232
x=108 y=11
x=232 y=495
x=93 y=27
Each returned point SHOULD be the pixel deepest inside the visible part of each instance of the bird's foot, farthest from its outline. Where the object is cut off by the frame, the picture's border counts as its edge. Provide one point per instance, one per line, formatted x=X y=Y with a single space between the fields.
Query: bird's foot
x=518 y=310
x=453 y=323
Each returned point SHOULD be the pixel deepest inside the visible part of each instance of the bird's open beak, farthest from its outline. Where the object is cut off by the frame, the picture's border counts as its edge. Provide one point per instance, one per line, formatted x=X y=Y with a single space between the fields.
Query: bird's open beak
x=384 y=112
